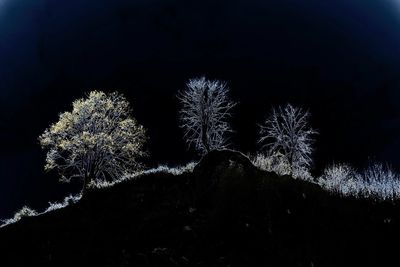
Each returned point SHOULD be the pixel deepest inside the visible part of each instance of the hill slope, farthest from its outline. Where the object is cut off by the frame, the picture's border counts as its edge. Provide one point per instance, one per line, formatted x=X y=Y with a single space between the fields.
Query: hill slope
x=225 y=213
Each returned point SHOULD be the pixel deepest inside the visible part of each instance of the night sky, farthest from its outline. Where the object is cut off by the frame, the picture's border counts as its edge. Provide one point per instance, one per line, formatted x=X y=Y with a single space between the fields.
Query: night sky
x=338 y=58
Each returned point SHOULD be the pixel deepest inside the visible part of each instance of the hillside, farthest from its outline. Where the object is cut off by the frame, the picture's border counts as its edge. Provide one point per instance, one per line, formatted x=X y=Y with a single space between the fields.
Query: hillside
x=224 y=213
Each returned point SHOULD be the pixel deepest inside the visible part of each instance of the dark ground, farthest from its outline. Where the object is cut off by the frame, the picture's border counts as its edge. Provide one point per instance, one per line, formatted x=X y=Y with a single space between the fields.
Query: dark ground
x=225 y=213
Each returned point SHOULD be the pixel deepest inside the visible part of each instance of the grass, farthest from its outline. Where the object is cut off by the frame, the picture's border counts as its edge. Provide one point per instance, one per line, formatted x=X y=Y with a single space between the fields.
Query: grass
x=176 y=171
x=225 y=213
x=25 y=211
x=28 y=212
x=377 y=181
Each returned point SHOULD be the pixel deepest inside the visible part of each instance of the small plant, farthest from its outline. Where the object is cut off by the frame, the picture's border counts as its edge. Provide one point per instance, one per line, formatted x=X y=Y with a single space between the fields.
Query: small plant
x=67 y=201
x=278 y=163
x=160 y=169
x=382 y=182
x=342 y=179
x=377 y=181
x=275 y=163
x=174 y=170
x=25 y=211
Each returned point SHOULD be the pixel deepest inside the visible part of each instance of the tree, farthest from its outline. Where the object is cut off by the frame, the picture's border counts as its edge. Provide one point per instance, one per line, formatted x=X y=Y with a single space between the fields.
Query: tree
x=204 y=115
x=97 y=140
x=286 y=131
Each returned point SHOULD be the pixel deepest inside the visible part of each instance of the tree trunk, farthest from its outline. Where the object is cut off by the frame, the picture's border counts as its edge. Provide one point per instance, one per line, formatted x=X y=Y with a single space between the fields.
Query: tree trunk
x=86 y=181
x=204 y=138
x=204 y=126
x=290 y=159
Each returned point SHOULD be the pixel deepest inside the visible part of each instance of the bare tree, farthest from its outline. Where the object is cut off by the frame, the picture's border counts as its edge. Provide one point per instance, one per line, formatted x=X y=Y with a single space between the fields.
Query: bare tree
x=286 y=131
x=98 y=140
x=204 y=115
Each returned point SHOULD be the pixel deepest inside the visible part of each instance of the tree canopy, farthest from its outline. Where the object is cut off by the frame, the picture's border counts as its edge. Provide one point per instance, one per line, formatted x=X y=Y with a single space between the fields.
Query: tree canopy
x=97 y=140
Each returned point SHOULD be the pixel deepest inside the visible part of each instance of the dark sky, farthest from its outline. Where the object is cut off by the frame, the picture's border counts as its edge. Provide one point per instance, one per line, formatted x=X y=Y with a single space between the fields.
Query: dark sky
x=338 y=58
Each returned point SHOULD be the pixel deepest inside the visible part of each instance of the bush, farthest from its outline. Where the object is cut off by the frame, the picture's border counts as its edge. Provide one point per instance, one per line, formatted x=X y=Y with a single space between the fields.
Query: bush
x=67 y=201
x=277 y=163
x=377 y=181
x=24 y=212
x=340 y=178
x=382 y=182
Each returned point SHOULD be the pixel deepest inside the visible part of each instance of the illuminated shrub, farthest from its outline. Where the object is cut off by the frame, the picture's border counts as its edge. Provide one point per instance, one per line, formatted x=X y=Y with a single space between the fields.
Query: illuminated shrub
x=376 y=181
x=275 y=163
x=24 y=212
x=97 y=140
x=342 y=179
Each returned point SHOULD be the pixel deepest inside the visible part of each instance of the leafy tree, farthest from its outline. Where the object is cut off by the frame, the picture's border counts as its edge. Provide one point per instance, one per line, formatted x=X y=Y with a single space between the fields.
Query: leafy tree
x=98 y=140
x=204 y=115
x=286 y=131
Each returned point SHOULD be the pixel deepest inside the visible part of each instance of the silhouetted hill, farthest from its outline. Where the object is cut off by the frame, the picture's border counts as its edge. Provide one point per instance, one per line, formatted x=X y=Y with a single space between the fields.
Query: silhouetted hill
x=224 y=213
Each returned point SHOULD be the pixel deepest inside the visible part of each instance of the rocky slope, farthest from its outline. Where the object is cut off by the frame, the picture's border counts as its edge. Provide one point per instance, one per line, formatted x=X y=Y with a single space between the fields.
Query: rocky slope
x=225 y=213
